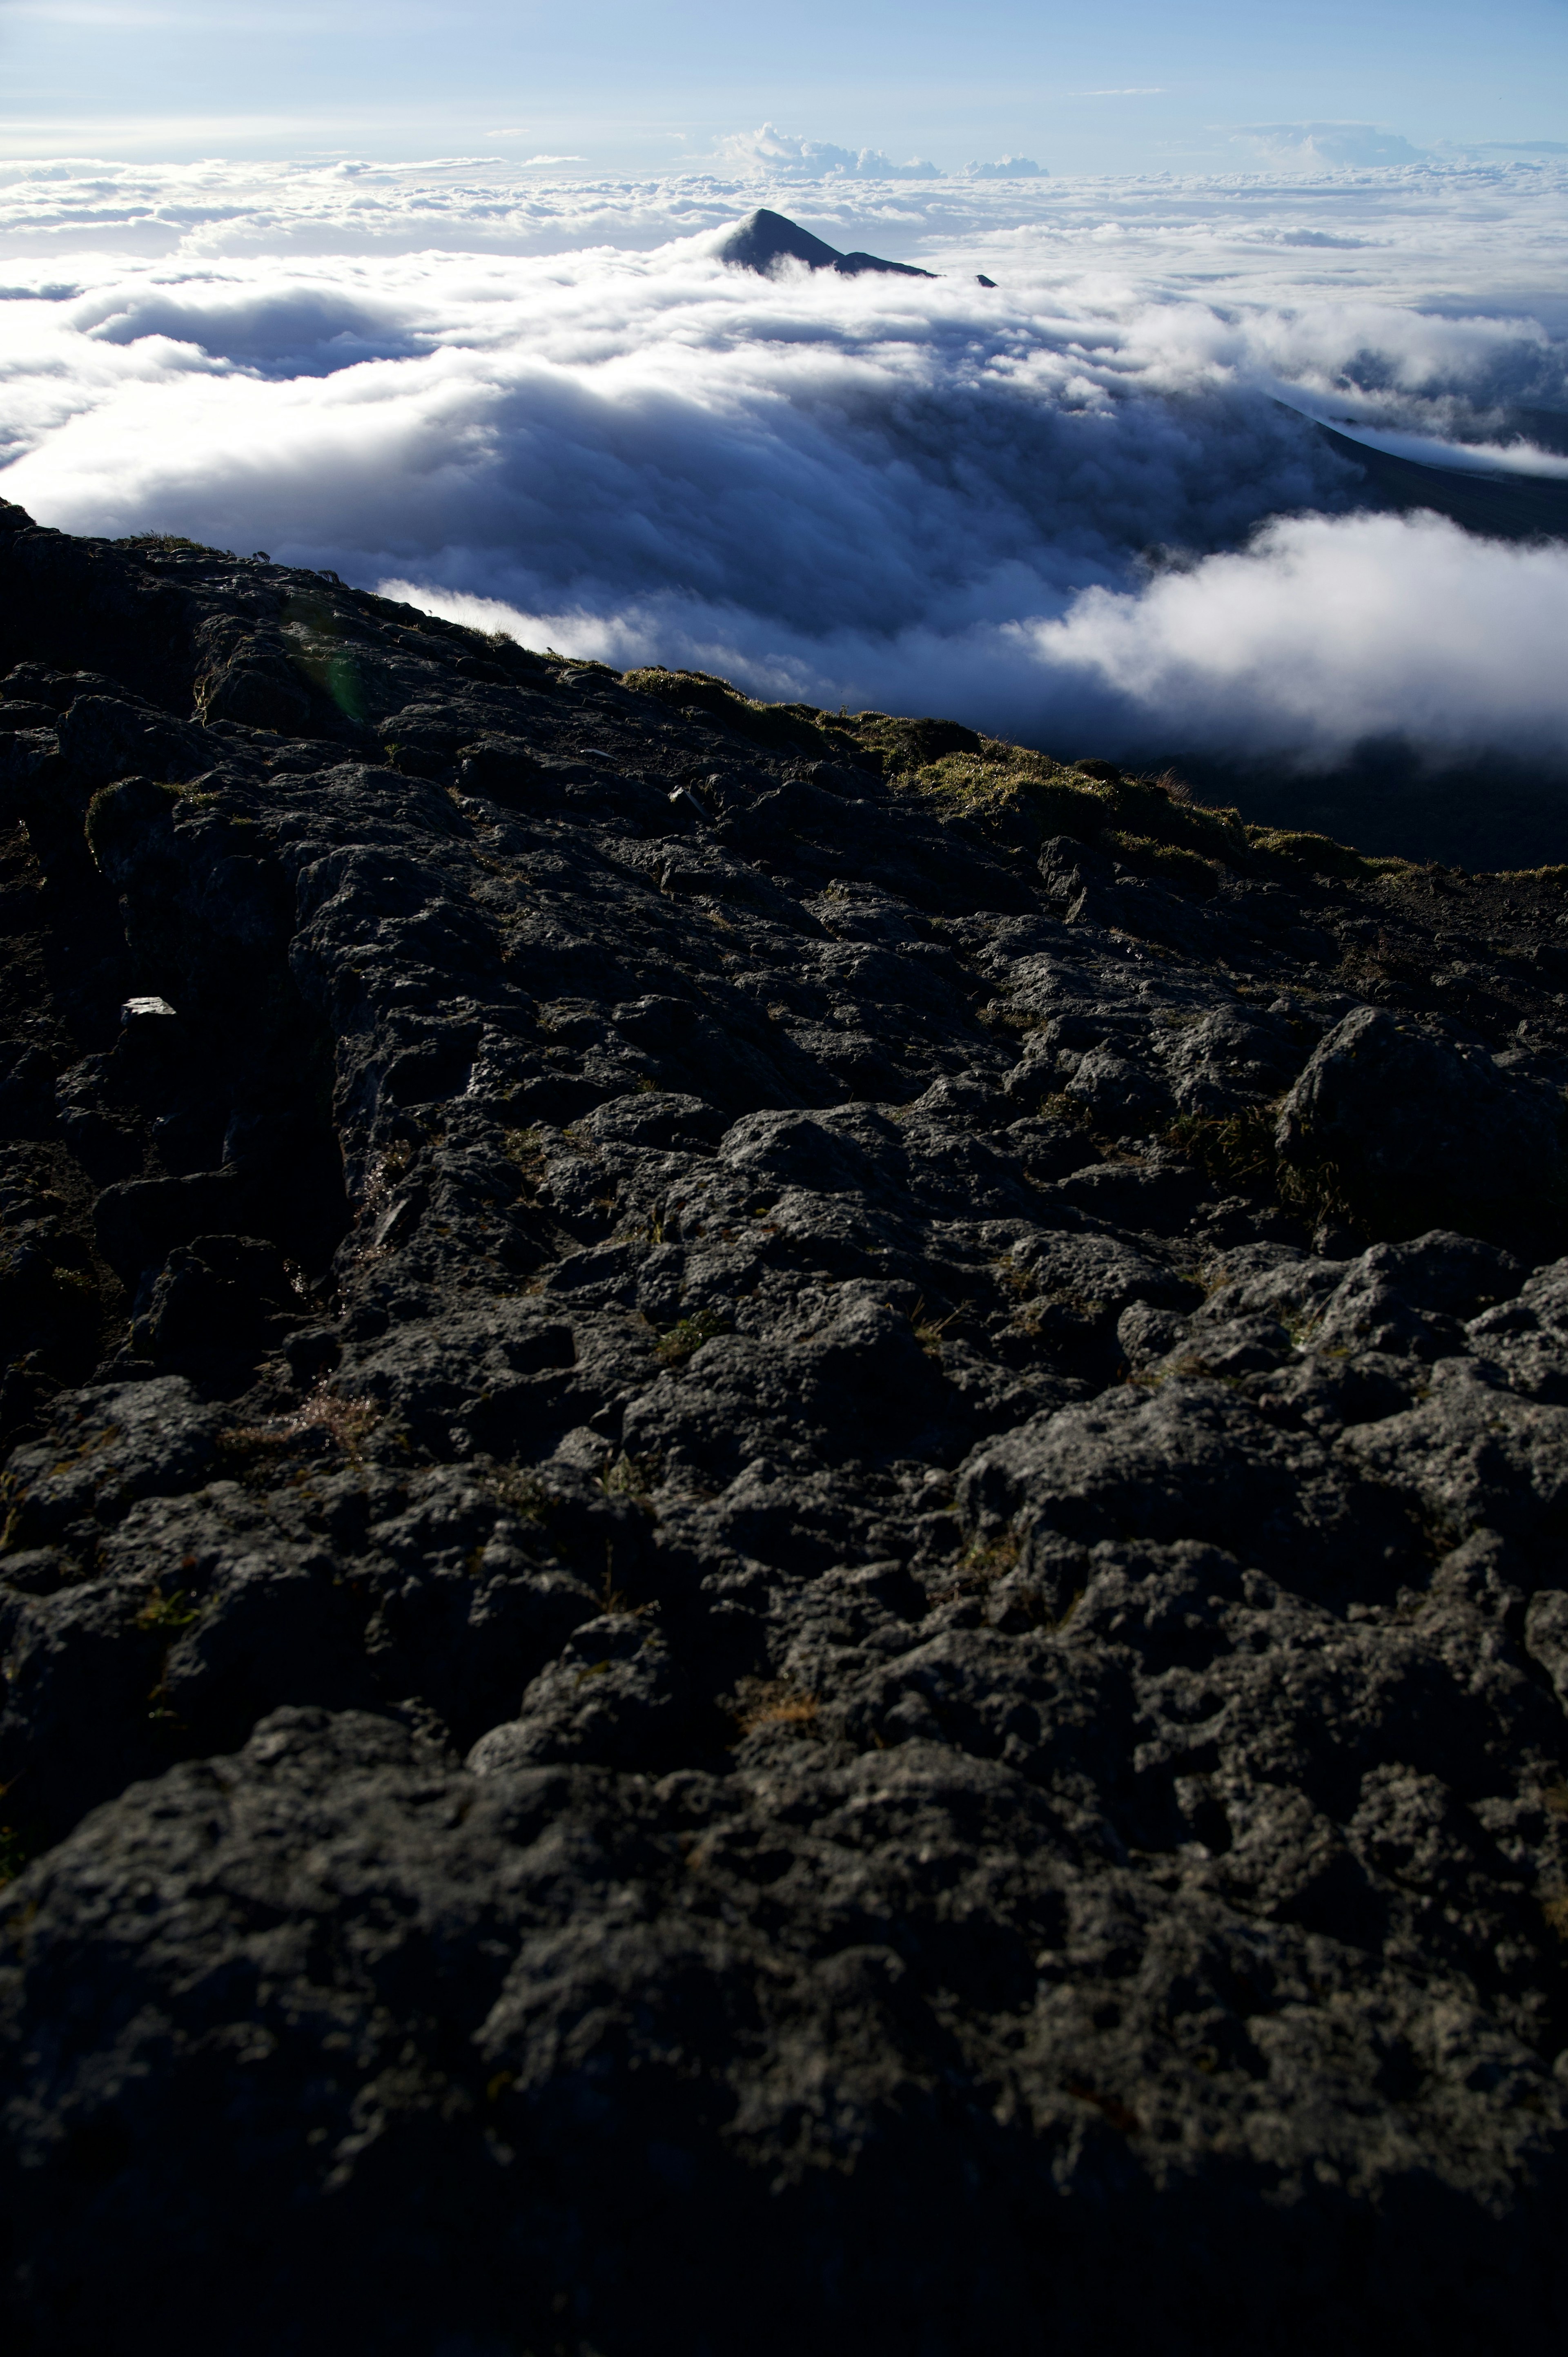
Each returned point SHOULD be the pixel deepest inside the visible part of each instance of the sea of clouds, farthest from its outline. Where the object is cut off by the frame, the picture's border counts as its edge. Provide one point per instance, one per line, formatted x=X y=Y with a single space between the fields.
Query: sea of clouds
x=1086 y=506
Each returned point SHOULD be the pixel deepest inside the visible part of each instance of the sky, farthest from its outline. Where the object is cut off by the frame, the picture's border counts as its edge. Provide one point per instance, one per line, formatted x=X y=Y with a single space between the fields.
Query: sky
x=1123 y=86
x=441 y=306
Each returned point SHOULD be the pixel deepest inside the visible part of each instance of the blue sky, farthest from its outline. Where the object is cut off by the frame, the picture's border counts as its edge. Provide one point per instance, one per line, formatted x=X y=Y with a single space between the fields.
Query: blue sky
x=1121 y=86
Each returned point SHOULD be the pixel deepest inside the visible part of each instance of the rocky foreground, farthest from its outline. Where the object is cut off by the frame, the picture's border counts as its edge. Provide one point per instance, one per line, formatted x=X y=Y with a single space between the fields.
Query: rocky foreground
x=784 y=1558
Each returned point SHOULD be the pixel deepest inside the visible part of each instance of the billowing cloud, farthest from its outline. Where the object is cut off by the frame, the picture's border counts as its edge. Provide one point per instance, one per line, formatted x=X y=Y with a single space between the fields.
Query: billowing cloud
x=1083 y=505
x=782 y=155
x=1006 y=167
x=1327 y=146
x=1328 y=632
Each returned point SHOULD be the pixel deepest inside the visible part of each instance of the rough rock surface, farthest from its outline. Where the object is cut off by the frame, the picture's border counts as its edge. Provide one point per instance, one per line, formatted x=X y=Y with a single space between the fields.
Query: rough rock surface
x=784 y=1561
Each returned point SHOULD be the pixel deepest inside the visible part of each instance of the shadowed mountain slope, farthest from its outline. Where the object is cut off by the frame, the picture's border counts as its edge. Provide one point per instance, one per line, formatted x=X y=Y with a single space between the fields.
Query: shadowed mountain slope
x=764 y=239
x=1499 y=505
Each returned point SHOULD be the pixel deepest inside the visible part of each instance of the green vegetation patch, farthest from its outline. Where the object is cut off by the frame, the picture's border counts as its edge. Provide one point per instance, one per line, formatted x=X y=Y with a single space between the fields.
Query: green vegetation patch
x=175 y=1611
x=1022 y=798
x=1189 y=869
x=1319 y=855
x=168 y=543
x=687 y=1336
x=901 y=743
x=786 y=727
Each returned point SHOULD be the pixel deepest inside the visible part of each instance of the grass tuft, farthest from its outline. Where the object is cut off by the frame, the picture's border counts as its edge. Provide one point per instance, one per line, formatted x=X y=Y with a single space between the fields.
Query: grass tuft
x=1022 y=798
x=686 y=1337
x=174 y=1611
x=772 y=1702
x=325 y=1414
x=1238 y=1146
x=785 y=727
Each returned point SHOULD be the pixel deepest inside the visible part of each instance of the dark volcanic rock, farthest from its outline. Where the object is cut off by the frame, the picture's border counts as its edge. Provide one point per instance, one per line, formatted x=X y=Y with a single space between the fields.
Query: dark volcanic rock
x=783 y=1547
x=1396 y=1109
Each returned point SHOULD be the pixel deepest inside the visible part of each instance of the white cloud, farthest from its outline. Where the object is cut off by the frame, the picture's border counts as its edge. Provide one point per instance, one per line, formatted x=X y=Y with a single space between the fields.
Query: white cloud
x=783 y=155
x=1327 y=146
x=1006 y=167
x=550 y=397
x=1328 y=631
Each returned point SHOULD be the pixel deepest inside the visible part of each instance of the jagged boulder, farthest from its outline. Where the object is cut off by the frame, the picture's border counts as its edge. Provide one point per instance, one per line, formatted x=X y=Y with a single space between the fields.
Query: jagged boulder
x=1401 y=1119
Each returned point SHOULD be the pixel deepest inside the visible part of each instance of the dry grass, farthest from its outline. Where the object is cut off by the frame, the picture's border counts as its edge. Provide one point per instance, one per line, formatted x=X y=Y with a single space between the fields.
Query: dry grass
x=1239 y=1146
x=523 y=1494
x=990 y=1559
x=929 y=1331
x=633 y=1477
x=325 y=1414
x=771 y=1702
x=1017 y=1276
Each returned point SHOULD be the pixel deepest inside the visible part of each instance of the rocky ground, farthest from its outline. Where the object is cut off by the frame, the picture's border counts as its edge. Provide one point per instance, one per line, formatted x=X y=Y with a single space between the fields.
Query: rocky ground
x=784 y=1550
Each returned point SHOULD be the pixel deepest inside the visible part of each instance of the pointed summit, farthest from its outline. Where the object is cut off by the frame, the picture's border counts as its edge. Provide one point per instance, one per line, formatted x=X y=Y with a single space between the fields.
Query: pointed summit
x=764 y=239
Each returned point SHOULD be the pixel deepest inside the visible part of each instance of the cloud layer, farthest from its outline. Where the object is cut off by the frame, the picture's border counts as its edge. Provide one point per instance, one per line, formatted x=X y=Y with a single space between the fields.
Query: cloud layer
x=1083 y=505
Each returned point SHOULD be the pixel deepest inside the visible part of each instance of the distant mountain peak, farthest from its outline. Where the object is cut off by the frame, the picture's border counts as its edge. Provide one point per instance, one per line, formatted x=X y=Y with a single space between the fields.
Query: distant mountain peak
x=764 y=239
